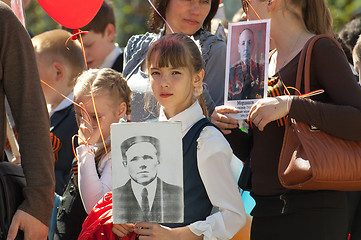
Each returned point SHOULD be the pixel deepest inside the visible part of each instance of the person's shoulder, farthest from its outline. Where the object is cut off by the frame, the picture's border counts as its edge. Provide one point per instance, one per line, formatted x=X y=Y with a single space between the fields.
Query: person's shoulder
x=325 y=44
x=123 y=188
x=6 y=15
x=171 y=187
x=137 y=40
x=212 y=138
x=237 y=64
x=209 y=42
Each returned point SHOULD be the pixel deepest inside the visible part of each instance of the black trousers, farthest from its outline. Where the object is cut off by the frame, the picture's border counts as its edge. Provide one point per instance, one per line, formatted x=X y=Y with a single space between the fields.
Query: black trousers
x=354 y=204
x=301 y=215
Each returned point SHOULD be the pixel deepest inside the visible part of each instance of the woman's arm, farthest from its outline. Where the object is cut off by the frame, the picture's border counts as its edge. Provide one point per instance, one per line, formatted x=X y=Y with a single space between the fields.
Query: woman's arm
x=342 y=117
x=91 y=187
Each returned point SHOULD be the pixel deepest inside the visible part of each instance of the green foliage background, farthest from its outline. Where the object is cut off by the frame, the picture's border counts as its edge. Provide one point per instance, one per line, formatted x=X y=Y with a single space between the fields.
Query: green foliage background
x=131 y=16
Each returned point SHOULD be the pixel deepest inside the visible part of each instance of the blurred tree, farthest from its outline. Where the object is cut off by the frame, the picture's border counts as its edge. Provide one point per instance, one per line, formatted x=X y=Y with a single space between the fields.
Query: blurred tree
x=132 y=15
x=131 y=18
x=343 y=10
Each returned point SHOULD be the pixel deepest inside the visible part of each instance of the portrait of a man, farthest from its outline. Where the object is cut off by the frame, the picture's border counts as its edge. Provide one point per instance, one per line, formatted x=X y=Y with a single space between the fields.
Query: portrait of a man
x=145 y=196
x=246 y=76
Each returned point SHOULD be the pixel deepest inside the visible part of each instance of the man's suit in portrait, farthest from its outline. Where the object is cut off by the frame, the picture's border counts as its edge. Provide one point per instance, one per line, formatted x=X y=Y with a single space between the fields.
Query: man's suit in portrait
x=167 y=206
x=246 y=81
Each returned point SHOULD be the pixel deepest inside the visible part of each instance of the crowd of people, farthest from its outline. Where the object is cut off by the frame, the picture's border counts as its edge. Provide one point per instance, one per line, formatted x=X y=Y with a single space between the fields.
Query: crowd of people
x=175 y=73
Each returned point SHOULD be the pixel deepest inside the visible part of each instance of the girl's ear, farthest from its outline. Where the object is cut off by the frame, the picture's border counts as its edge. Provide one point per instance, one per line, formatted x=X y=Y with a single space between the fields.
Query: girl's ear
x=121 y=110
x=198 y=79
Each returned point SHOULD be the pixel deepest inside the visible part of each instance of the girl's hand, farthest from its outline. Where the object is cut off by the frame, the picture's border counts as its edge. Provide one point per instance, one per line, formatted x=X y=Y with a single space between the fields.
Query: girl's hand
x=121 y=230
x=269 y=109
x=153 y=231
x=222 y=121
x=88 y=128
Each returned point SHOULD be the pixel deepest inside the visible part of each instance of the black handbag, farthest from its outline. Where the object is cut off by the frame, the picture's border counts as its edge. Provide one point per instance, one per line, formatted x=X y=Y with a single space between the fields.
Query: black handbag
x=245 y=179
x=12 y=182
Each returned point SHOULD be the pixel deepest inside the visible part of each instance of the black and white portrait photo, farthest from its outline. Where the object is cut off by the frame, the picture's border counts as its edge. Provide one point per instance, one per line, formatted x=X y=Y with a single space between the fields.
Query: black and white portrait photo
x=146 y=183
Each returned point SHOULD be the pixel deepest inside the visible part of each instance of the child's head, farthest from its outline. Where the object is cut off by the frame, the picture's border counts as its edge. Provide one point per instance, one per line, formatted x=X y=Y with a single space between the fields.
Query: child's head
x=99 y=42
x=58 y=64
x=112 y=97
x=175 y=68
x=356 y=55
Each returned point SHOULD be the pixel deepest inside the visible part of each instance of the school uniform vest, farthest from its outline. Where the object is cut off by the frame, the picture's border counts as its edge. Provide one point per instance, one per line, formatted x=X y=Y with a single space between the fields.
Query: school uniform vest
x=197 y=205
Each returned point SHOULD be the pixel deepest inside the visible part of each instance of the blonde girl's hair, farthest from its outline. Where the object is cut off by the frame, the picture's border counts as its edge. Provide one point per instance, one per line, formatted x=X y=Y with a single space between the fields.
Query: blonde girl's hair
x=178 y=50
x=315 y=15
x=357 y=50
x=101 y=80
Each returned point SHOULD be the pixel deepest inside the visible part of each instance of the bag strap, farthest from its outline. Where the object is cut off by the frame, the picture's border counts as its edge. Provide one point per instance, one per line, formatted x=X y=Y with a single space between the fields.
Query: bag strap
x=305 y=61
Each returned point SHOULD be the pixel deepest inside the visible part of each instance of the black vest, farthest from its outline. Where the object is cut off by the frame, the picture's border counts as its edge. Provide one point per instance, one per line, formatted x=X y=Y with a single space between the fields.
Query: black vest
x=197 y=205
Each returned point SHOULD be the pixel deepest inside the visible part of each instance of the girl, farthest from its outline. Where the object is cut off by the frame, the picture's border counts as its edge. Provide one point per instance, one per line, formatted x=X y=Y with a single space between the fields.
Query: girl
x=174 y=64
x=192 y=17
x=282 y=213
x=112 y=100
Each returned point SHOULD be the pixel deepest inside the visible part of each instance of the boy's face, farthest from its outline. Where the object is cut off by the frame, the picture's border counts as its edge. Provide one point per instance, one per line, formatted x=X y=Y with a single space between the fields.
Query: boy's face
x=97 y=46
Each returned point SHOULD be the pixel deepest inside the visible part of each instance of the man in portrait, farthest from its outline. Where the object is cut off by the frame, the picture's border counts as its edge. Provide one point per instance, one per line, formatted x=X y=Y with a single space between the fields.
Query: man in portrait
x=145 y=197
x=246 y=75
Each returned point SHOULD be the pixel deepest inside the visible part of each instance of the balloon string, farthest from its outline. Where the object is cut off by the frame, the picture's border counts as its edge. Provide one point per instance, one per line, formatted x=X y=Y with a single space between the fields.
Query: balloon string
x=97 y=117
x=249 y=4
x=77 y=33
x=160 y=16
x=66 y=98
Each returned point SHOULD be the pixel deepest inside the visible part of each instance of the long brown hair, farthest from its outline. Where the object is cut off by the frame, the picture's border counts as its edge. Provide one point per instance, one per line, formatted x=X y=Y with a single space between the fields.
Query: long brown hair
x=315 y=15
x=178 y=50
x=155 y=22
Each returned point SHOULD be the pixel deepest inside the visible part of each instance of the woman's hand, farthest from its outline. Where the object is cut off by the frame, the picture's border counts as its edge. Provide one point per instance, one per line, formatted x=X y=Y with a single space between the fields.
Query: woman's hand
x=121 y=230
x=269 y=109
x=222 y=121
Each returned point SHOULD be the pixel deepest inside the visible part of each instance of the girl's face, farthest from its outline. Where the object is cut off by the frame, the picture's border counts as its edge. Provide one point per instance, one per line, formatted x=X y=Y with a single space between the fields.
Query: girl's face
x=108 y=113
x=186 y=16
x=173 y=87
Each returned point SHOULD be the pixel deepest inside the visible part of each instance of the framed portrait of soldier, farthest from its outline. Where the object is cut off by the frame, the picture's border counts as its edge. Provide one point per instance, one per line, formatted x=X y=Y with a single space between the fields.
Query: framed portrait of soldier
x=147 y=172
x=246 y=65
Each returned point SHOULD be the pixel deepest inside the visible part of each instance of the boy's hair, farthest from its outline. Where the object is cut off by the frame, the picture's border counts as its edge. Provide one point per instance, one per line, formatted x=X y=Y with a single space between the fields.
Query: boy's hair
x=104 y=17
x=104 y=79
x=177 y=50
x=51 y=47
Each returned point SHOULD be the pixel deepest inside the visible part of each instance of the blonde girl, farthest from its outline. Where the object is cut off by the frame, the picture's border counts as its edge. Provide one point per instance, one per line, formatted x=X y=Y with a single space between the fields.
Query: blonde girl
x=112 y=100
x=175 y=70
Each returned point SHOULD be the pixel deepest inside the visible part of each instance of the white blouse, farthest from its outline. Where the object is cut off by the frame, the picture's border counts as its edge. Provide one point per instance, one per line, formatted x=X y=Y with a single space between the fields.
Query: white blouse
x=214 y=156
x=92 y=187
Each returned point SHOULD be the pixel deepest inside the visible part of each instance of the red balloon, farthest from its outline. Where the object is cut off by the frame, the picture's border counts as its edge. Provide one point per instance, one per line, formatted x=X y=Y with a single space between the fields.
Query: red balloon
x=72 y=14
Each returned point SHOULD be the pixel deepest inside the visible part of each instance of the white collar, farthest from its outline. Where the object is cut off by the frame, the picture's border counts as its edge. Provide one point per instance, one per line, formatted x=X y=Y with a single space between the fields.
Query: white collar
x=63 y=104
x=188 y=117
x=112 y=57
x=138 y=188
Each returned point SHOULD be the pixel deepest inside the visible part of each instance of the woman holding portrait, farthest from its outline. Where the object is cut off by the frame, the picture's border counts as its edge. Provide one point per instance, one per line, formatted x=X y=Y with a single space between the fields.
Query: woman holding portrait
x=282 y=213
